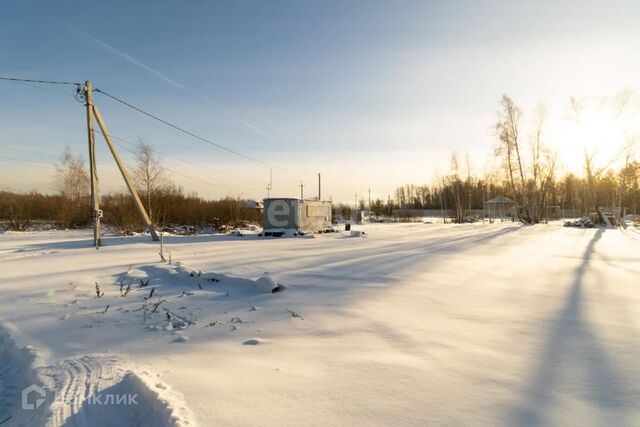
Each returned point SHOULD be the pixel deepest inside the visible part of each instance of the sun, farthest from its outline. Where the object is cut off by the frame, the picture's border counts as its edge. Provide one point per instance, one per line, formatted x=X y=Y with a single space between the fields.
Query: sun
x=599 y=133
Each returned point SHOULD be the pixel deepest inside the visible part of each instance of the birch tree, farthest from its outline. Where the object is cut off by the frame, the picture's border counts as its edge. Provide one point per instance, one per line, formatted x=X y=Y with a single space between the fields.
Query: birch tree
x=149 y=175
x=508 y=131
x=72 y=183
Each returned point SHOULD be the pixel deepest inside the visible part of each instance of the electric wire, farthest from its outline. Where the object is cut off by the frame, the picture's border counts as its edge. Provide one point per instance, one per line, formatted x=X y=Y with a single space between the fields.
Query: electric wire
x=200 y=138
x=140 y=110
x=222 y=147
x=172 y=132
x=11 y=159
x=185 y=175
x=15 y=79
x=44 y=88
x=189 y=162
x=27 y=151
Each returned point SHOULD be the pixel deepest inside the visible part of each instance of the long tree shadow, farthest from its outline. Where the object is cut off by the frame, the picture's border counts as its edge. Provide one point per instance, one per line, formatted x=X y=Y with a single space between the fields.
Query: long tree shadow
x=572 y=349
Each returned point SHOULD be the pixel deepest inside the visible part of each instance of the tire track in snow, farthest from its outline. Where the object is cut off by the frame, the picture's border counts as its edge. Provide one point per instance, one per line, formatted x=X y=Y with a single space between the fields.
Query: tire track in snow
x=90 y=390
x=100 y=390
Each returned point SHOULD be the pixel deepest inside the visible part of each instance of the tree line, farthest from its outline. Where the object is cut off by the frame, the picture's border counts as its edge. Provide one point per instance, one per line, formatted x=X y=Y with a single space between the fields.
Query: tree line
x=167 y=204
x=528 y=174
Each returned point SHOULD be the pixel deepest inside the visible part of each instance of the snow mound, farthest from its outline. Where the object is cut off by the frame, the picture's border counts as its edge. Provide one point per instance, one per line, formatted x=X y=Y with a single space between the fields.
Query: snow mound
x=235 y=285
x=16 y=374
x=266 y=283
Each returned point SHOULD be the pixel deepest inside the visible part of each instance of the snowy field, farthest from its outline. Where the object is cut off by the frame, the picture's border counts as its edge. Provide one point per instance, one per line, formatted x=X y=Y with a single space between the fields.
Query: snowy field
x=416 y=324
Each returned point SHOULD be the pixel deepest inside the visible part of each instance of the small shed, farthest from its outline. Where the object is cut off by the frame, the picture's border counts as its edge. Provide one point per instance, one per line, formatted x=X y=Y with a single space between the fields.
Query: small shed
x=299 y=215
x=500 y=207
x=253 y=204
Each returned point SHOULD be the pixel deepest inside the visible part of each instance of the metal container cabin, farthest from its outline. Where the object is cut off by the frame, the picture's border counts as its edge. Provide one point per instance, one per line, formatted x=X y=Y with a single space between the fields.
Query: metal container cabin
x=301 y=215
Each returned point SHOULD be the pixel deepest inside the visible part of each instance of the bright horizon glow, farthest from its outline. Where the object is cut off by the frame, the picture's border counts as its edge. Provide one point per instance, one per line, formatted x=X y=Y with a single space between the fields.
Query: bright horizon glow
x=600 y=132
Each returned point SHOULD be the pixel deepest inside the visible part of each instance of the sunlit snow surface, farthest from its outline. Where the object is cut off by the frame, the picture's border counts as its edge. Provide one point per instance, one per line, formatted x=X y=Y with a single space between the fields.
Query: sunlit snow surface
x=413 y=324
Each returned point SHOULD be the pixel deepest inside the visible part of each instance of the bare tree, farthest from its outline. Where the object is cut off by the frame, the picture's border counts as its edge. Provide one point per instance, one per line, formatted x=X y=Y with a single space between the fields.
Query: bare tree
x=72 y=183
x=508 y=130
x=469 y=181
x=149 y=175
x=576 y=106
x=543 y=166
x=72 y=177
x=505 y=132
x=620 y=101
x=457 y=186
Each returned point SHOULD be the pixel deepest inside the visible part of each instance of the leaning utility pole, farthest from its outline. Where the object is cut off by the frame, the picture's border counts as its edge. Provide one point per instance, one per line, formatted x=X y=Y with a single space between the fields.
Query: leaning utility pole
x=95 y=113
x=96 y=213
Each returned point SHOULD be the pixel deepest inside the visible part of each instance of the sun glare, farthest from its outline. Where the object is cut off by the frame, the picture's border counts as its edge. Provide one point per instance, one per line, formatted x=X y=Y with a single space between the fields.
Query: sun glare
x=601 y=134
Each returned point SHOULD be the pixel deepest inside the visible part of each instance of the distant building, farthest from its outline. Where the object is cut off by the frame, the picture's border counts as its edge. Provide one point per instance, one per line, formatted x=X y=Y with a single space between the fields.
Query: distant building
x=501 y=208
x=300 y=215
x=253 y=204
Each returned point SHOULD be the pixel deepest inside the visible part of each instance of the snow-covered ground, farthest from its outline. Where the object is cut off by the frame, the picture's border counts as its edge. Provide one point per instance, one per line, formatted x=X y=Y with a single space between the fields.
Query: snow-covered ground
x=414 y=324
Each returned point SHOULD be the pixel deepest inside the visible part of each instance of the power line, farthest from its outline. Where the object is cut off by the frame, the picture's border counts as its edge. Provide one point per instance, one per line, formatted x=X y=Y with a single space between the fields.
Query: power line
x=44 y=88
x=54 y=166
x=178 y=128
x=173 y=132
x=53 y=82
x=27 y=151
x=209 y=183
x=189 y=176
x=10 y=159
x=132 y=144
x=222 y=147
x=140 y=110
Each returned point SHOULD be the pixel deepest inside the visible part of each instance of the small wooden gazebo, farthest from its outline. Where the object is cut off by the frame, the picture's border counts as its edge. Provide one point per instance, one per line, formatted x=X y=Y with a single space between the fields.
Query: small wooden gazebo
x=500 y=207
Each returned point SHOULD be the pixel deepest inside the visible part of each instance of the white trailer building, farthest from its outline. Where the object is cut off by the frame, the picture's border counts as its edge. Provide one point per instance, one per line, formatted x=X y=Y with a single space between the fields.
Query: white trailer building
x=299 y=215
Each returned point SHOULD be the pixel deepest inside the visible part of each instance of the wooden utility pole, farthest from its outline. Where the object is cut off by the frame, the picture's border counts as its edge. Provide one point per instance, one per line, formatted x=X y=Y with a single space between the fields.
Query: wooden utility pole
x=95 y=195
x=123 y=171
x=301 y=190
x=319 y=189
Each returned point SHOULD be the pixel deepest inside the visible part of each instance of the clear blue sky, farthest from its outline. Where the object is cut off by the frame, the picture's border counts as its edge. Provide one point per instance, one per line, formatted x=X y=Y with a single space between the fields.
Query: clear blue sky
x=373 y=94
